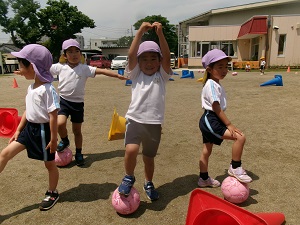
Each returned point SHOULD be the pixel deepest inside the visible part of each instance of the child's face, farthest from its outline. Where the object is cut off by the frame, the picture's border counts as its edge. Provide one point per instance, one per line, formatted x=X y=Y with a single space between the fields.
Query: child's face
x=27 y=72
x=219 y=70
x=149 y=63
x=73 y=55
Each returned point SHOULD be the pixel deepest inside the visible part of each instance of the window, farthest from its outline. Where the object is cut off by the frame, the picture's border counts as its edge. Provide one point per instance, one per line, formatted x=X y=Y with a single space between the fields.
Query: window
x=281 y=44
x=199 y=49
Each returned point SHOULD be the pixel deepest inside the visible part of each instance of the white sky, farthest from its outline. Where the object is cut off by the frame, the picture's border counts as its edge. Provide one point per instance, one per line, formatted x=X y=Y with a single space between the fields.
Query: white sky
x=114 y=19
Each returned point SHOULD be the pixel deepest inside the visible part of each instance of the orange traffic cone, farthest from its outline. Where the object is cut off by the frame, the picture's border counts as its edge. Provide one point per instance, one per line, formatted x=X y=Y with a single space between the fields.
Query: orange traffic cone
x=288 y=69
x=208 y=209
x=15 y=84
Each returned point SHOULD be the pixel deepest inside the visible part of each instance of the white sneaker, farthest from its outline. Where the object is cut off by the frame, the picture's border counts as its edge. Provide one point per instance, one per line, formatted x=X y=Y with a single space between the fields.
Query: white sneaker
x=210 y=182
x=240 y=174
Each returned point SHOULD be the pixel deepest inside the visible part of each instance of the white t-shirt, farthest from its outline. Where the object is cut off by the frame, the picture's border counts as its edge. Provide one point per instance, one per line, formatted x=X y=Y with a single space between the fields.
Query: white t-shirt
x=148 y=96
x=40 y=102
x=72 y=80
x=213 y=92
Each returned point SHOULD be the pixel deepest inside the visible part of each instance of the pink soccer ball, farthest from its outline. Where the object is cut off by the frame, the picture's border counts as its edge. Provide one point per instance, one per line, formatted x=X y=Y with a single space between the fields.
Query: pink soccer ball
x=63 y=158
x=234 y=191
x=126 y=204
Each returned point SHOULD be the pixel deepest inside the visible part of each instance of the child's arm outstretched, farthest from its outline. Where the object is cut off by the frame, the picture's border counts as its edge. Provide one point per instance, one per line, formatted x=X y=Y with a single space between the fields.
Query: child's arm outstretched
x=164 y=47
x=53 y=130
x=132 y=54
x=222 y=116
x=109 y=73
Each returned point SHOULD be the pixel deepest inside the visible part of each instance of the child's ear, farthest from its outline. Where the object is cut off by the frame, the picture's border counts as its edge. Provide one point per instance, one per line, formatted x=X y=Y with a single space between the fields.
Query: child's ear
x=208 y=69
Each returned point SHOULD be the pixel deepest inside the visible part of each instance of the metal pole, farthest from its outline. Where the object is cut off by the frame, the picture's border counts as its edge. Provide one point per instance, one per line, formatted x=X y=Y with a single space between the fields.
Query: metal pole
x=1 y=63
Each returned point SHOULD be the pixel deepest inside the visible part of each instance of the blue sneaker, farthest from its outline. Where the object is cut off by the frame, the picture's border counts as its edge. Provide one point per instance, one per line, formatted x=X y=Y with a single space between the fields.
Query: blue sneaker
x=151 y=193
x=62 y=145
x=126 y=185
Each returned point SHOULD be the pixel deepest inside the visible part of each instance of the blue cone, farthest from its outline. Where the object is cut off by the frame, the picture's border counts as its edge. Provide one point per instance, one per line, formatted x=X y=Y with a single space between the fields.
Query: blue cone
x=128 y=83
x=121 y=71
x=189 y=75
x=276 y=81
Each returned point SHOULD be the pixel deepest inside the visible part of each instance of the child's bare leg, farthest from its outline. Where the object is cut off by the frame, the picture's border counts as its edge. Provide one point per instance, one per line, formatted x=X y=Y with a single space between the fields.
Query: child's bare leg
x=9 y=152
x=130 y=158
x=149 y=167
x=76 y=127
x=62 y=126
x=203 y=162
x=53 y=175
x=238 y=145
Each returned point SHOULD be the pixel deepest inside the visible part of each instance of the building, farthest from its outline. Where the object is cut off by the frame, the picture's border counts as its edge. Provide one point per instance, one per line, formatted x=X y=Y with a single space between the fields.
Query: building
x=244 y=32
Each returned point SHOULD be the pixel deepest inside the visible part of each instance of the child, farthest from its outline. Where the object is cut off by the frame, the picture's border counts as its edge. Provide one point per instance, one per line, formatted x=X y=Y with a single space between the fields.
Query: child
x=148 y=68
x=72 y=77
x=214 y=124
x=248 y=67
x=37 y=131
x=262 y=65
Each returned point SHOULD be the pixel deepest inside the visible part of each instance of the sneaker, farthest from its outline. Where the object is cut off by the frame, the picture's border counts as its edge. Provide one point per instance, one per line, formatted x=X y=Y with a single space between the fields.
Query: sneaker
x=240 y=174
x=49 y=200
x=79 y=159
x=151 y=193
x=210 y=182
x=62 y=145
x=126 y=185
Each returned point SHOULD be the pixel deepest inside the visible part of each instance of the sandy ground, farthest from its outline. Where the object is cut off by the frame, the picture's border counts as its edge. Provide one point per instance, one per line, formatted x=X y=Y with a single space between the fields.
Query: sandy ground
x=268 y=116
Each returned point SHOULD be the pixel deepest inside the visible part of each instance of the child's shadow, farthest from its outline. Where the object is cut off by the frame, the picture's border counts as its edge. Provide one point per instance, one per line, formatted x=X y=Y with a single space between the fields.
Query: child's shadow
x=91 y=158
x=179 y=187
x=81 y=193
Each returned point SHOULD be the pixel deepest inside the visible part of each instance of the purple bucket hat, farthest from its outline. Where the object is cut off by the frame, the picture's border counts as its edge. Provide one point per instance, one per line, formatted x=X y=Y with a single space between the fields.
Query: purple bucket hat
x=148 y=46
x=213 y=56
x=40 y=58
x=69 y=43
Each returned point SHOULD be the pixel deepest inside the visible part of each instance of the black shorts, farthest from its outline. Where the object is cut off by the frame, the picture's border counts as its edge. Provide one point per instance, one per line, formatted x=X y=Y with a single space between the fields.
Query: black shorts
x=212 y=128
x=35 y=137
x=73 y=109
x=147 y=134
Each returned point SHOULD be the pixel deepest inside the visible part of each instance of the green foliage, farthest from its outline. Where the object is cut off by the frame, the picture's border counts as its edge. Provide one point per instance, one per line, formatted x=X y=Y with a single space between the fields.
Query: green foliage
x=168 y=29
x=125 y=41
x=24 y=27
x=58 y=21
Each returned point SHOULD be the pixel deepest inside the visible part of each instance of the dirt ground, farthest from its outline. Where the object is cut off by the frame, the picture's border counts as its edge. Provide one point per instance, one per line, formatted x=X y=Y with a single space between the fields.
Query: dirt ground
x=269 y=117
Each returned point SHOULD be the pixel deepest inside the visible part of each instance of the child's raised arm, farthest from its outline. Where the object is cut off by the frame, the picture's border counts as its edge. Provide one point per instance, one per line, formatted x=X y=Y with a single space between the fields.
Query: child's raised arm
x=110 y=73
x=164 y=47
x=132 y=54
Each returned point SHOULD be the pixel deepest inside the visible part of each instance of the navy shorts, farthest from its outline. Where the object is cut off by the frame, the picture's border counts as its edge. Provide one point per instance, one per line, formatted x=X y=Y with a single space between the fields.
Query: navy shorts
x=73 y=109
x=147 y=134
x=212 y=128
x=35 y=137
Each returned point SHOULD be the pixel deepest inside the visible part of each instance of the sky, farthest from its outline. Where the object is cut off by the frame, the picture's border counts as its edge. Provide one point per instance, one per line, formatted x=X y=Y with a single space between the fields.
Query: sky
x=114 y=19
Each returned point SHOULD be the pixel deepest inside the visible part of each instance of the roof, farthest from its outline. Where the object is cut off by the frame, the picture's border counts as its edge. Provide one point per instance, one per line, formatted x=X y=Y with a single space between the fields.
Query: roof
x=204 y=16
x=7 y=48
x=257 y=25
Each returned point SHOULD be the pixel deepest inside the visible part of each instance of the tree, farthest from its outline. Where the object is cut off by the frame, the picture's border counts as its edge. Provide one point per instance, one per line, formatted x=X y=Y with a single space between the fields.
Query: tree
x=24 y=27
x=168 y=29
x=125 y=41
x=60 y=21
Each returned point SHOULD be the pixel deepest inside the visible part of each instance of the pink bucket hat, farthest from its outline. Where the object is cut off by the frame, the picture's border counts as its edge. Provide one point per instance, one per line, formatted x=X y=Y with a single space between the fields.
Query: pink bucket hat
x=148 y=46
x=213 y=56
x=69 y=43
x=40 y=58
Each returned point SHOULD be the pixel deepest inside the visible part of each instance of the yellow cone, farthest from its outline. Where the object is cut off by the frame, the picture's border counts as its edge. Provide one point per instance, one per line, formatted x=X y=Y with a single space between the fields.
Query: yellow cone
x=117 y=127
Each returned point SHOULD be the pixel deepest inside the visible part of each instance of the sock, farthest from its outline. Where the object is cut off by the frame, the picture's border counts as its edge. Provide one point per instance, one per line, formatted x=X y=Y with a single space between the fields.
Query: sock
x=236 y=164
x=204 y=176
x=78 y=150
x=65 y=139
